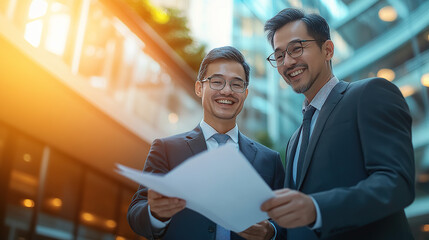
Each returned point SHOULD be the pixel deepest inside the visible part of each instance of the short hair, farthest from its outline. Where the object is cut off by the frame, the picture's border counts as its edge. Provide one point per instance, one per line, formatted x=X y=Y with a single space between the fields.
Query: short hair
x=224 y=53
x=317 y=27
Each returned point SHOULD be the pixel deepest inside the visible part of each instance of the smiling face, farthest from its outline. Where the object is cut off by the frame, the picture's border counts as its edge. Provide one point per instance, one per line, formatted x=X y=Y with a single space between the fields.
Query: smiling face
x=221 y=107
x=309 y=72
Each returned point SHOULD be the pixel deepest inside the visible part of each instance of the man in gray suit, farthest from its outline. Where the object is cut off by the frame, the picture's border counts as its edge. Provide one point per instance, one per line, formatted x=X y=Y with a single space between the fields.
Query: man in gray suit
x=350 y=166
x=222 y=86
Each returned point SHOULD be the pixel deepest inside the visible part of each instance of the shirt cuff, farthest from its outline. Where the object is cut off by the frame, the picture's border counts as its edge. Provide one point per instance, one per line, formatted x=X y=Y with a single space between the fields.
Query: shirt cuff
x=318 y=223
x=275 y=230
x=155 y=223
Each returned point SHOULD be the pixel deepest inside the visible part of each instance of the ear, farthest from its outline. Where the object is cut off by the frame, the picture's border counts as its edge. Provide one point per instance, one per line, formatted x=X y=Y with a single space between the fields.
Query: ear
x=328 y=47
x=199 y=89
x=245 y=93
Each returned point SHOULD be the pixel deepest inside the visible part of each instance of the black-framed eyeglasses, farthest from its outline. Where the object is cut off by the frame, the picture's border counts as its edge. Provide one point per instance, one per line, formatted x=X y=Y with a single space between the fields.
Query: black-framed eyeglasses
x=218 y=83
x=294 y=49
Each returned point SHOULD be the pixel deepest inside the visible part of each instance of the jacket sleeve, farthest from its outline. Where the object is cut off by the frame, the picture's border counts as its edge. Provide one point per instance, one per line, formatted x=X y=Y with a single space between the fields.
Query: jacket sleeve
x=279 y=173
x=138 y=215
x=278 y=183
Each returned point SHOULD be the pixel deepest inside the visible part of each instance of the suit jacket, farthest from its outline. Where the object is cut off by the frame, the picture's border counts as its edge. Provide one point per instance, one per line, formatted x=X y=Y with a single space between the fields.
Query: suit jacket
x=359 y=164
x=165 y=154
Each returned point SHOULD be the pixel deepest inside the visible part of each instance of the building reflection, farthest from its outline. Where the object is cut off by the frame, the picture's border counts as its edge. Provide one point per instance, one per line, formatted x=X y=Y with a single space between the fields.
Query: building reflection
x=83 y=84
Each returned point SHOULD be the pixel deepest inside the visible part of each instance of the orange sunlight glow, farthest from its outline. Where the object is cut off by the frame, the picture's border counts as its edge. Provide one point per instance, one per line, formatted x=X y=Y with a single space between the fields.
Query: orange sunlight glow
x=38 y=8
x=407 y=90
x=88 y=217
x=28 y=203
x=387 y=14
x=56 y=202
x=425 y=80
x=110 y=224
x=58 y=27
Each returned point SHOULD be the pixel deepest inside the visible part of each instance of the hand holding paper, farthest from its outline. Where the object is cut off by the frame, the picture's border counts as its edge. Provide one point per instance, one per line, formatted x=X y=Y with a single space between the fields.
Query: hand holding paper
x=220 y=184
x=162 y=207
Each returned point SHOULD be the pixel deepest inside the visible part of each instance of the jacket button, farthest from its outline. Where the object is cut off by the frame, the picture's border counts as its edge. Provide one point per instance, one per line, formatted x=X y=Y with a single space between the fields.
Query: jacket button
x=211 y=229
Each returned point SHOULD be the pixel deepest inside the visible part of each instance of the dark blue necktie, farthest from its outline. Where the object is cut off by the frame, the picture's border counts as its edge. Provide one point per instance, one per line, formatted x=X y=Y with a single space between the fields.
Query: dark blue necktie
x=306 y=124
x=221 y=139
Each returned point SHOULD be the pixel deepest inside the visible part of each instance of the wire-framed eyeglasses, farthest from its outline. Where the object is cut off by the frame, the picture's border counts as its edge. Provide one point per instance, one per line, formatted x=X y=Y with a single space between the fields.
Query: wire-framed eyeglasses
x=294 y=49
x=218 y=83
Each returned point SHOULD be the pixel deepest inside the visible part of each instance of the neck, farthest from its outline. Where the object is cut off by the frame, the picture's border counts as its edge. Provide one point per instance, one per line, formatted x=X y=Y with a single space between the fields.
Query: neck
x=312 y=92
x=221 y=125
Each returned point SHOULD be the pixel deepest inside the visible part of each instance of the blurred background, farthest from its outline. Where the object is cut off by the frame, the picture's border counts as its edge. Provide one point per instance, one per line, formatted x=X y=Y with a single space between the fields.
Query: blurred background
x=85 y=84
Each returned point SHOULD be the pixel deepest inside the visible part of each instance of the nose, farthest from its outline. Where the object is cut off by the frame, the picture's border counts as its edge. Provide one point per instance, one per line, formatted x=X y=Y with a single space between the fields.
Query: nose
x=288 y=61
x=227 y=89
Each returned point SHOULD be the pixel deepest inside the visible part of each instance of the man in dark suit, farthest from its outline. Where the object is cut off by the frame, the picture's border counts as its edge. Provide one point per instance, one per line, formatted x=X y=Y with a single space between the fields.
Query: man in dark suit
x=350 y=166
x=222 y=85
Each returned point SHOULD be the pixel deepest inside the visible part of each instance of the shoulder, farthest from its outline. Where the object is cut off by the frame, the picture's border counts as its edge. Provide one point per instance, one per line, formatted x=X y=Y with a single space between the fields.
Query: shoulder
x=381 y=97
x=180 y=136
x=373 y=89
x=373 y=83
x=264 y=149
x=175 y=143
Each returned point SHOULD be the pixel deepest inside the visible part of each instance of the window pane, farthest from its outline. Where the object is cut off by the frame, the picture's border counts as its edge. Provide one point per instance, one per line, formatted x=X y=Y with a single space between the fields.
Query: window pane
x=61 y=196
x=3 y=6
x=99 y=208
x=24 y=180
x=124 y=229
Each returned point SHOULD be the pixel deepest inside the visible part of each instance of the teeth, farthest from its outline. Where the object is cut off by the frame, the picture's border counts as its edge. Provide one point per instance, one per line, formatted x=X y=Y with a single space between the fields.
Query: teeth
x=293 y=74
x=224 y=101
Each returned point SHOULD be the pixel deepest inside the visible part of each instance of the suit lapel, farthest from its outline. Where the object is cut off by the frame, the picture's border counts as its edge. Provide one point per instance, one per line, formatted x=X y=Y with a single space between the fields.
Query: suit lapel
x=247 y=148
x=332 y=100
x=196 y=141
x=197 y=144
x=290 y=155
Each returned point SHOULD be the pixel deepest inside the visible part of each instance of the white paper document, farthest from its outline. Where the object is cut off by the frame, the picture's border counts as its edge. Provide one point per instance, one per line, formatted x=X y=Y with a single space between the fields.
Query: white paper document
x=220 y=184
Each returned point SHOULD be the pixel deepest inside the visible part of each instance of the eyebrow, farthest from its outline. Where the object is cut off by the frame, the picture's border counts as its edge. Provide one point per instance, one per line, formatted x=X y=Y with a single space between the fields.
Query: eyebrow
x=295 y=40
x=223 y=76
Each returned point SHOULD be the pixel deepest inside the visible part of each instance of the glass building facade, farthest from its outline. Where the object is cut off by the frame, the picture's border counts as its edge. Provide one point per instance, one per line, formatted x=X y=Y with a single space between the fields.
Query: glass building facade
x=385 y=38
x=85 y=84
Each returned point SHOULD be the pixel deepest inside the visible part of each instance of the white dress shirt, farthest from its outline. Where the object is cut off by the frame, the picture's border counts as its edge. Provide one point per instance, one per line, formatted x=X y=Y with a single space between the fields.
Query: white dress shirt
x=317 y=103
x=208 y=132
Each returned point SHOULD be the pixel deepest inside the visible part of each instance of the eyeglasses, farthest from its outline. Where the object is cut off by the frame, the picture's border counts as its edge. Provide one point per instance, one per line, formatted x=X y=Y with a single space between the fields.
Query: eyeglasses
x=294 y=49
x=218 y=83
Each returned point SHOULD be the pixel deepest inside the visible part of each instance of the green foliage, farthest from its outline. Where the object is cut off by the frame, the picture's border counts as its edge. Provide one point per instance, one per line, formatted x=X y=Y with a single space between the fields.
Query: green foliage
x=264 y=138
x=174 y=31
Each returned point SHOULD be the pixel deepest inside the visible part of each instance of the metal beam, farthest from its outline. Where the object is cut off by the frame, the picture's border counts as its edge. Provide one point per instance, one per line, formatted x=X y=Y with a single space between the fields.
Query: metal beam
x=385 y=43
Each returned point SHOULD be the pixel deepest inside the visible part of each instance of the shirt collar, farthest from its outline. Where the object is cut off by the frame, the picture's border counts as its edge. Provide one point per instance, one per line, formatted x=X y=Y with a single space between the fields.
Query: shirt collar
x=209 y=131
x=322 y=95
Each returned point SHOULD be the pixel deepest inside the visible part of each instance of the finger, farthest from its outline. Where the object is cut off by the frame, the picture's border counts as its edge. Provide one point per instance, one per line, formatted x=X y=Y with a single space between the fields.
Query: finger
x=166 y=212
x=288 y=216
x=166 y=203
x=154 y=195
x=253 y=230
x=259 y=233
x=282 y=197
x=289 y=221
x=282 y=210
x=248 y=236
x=281 y=191
x=168 y=207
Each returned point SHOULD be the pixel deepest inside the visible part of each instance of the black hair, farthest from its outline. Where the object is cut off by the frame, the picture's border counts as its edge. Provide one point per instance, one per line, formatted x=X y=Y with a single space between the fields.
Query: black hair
x=317 y=27
x=225 y=53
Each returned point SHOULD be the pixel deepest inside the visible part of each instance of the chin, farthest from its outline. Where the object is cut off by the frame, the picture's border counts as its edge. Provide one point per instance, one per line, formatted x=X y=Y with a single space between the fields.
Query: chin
x=226 y=116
